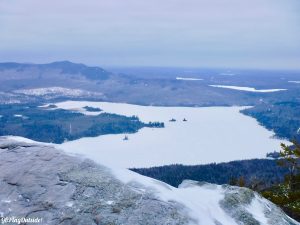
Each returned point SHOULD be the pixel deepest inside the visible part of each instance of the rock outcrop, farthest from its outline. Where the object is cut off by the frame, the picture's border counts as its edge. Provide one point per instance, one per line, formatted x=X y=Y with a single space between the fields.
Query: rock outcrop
x=42 y=182
x=39 y=181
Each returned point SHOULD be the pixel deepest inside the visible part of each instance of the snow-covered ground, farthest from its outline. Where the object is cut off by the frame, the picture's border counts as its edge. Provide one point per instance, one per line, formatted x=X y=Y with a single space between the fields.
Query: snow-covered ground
x=200 y=201
x=211 y=134
x=57 y=91
x=188 y=78
x=204 y=201
x=250 y=89
x=227 y=74
x=18 y=115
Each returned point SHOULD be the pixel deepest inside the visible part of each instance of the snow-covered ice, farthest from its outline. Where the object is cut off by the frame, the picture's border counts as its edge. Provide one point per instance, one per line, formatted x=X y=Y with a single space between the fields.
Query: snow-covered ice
x=250 y=89
x=210 y=134
x=227 y=74
x=188 y=78
x=18 y=115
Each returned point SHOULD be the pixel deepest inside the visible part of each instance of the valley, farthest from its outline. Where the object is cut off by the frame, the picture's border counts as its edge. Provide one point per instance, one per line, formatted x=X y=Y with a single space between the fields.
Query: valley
x=130 y=112
x=169 y=124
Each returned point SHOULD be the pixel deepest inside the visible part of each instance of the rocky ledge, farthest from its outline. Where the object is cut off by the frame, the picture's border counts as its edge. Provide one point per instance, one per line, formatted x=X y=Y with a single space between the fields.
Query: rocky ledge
x=39 y=181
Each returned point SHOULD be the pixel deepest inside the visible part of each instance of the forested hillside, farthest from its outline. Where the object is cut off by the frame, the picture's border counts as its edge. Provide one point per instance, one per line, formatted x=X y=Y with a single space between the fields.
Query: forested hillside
x=57 y=125
x=263 y=172
x=283 y=117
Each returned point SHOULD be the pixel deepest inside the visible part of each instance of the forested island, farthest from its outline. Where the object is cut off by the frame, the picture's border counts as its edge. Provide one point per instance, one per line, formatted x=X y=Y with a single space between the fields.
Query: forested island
x=58 y=125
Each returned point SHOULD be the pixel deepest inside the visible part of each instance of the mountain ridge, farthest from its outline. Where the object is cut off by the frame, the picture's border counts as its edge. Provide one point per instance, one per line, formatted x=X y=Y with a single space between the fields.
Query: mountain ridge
x=66 y=67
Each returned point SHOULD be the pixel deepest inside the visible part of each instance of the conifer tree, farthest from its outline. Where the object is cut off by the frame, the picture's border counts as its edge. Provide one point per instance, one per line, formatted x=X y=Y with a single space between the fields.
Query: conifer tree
x=290 y=158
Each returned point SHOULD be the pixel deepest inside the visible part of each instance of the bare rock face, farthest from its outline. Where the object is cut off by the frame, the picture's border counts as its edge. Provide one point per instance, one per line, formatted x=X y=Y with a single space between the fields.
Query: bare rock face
x=42 y=182
x=38 y=181
x=240 y=203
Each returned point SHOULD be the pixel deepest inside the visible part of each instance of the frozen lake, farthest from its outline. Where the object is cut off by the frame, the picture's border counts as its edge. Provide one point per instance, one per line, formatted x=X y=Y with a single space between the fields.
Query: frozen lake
x=250 y=89
x=210 y=134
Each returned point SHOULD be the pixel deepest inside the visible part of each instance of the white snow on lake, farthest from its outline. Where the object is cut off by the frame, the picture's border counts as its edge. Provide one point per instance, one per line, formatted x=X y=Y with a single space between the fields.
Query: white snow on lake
x=247 y=88
x=188 y=78
x=227 y=74
x=211 y=134
x=294 y=81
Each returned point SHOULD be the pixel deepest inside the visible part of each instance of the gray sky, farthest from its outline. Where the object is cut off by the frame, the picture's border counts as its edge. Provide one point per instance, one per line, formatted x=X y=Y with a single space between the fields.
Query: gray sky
x=196 y=33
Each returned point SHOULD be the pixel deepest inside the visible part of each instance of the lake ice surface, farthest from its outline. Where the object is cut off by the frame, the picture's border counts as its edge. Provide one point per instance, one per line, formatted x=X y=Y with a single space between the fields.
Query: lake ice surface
x=188 y=78
x=250 y=89
x=211 y=134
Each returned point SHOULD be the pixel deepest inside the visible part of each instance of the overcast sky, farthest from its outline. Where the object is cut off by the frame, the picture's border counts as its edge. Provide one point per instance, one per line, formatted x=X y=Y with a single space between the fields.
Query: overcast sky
x=189 y=33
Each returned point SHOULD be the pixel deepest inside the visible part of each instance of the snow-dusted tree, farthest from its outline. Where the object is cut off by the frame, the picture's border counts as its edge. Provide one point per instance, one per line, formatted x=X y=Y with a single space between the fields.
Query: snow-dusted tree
x=290 y=158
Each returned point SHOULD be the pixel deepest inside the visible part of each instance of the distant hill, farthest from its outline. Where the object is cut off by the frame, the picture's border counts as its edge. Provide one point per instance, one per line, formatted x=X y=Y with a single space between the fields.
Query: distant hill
x=117 y=87
x=66 y=67
x=15 y=76
x=62 y=67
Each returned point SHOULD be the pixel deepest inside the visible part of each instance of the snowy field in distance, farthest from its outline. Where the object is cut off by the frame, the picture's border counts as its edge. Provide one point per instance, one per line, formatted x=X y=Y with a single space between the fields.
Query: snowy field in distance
x=188 y=78
x=57 y=91
x=250 y=89
x=211 y=134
